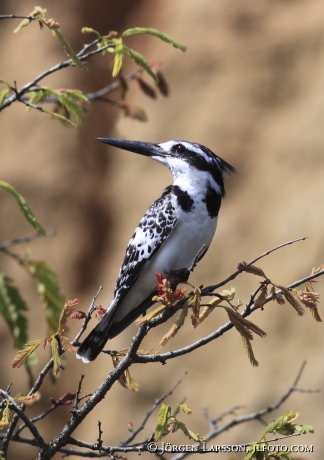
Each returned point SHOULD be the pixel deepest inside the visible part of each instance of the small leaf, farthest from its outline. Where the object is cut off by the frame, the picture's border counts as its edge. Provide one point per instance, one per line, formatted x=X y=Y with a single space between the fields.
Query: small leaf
x=11 y=307
x=194 y=303
x=66 y=345
x=316 y=315
x=2 y=80
x=145 y=319
x=304 y=429
x=140 y=61
x=22 y=356
x=244 y=326
x=27 y=400
x=162 y=84
x=89 y=30
x=185 y=409
x=251 y=269
x=157 y=33
x=48 y=291
x=36 y=12
x=228 y=294
x=249 y=350
x=207 y=310
x=164 y=414
x=68 y=49
x=73 y=100
x=176 y=326
x=24 y=23
x=262 y=297
x=291 y=299
x=25 y=209
x=146 y=88
x=318 y=269
x=67 y=311
x=65 y=121
x=3 y=95
x=36 y=97
x=4 y=422
x=131 y=382
x=55 y=354
x=119 y=55
x=195 y=437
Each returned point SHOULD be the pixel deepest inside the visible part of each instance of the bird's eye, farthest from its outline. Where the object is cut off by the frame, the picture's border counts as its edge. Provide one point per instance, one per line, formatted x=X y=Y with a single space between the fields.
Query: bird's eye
x=178 y=148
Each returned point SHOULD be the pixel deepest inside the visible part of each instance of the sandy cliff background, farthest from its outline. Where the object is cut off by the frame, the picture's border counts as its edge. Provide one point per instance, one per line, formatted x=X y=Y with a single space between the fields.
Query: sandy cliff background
x=250 y=87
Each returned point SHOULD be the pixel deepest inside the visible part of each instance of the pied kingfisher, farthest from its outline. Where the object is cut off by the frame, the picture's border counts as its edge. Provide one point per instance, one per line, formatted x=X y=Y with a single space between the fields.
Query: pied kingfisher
x=170 y=235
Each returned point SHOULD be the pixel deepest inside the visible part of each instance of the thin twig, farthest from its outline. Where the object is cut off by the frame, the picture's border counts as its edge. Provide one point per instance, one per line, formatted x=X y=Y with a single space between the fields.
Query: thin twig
x=20 y=413
x=216 y=431
x=24 y=239
x=77 y=395
x=16 y=16
x=87 y=317
x=163 y=357
x=158 y=401
x=208 y=289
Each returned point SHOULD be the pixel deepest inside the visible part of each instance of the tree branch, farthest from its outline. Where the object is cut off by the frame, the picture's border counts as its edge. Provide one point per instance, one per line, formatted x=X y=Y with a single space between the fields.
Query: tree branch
x=214 y=431
x=158 y=401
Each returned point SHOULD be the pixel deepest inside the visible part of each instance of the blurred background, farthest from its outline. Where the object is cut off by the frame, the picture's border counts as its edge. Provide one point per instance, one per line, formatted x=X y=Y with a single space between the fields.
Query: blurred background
x=251 y=88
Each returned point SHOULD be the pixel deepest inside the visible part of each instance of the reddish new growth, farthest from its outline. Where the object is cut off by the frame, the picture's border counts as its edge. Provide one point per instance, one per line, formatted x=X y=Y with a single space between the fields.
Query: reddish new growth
x=78 y=315
x=164 y=292
x=309 y=299
x=65 y=400
x=100 y=311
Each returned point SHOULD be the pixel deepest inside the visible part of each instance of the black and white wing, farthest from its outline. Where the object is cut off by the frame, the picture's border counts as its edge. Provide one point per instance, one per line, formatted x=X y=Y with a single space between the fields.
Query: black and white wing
x=153 y=229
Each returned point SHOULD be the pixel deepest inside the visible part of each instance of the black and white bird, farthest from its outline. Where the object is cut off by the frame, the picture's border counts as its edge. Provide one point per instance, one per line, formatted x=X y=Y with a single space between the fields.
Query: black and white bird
x=169 y=236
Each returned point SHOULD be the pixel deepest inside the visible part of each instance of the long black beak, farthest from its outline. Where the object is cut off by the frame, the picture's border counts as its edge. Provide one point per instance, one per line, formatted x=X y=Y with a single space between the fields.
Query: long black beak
x=143 y=148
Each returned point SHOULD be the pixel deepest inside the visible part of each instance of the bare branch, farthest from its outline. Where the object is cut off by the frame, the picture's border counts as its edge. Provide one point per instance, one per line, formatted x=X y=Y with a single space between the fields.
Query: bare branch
x=24 y=239
x=158 y=401
x=87 y=317
x=215 y=431
x=20 y=414
x=208 y=289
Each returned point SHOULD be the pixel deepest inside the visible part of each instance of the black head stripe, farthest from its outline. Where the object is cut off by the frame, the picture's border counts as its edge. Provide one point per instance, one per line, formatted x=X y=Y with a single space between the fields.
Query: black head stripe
x=204 y=161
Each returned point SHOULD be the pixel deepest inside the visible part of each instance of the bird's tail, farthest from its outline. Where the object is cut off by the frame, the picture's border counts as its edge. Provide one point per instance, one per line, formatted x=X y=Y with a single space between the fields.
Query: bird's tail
x=96 y=340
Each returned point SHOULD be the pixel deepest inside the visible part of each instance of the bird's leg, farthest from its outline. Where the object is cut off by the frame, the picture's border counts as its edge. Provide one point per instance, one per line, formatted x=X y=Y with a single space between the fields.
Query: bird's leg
x=177 y=276
x=182 y=274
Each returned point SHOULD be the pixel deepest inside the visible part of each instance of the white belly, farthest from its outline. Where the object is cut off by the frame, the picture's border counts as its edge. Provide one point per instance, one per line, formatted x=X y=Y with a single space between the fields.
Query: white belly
x=193 y=230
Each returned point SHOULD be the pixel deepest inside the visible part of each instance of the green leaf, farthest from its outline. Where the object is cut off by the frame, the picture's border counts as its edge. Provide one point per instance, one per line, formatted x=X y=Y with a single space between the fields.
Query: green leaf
x=38 y=96
x=249 y=350
x=185 y=409
x=25 y=209
x=55 y=355
x=119 y=55
x=74 y=109
x=303 y=429
x=89 y=30
x=195 y=437
x=164 y=414
x=2 y=80
x=36 y=12
x=23 y=24
x=3 y=95
x=141 y=61
x=11 y=307
x=68 y=49
x=157 y=33
x=65 y=121
x=48 y=291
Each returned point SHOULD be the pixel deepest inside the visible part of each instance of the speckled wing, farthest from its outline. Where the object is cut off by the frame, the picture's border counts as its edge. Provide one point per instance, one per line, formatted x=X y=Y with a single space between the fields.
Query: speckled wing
x=153 y=229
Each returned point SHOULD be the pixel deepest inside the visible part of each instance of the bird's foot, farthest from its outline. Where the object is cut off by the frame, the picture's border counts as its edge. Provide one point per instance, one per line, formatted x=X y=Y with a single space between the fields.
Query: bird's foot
x=177 y=276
